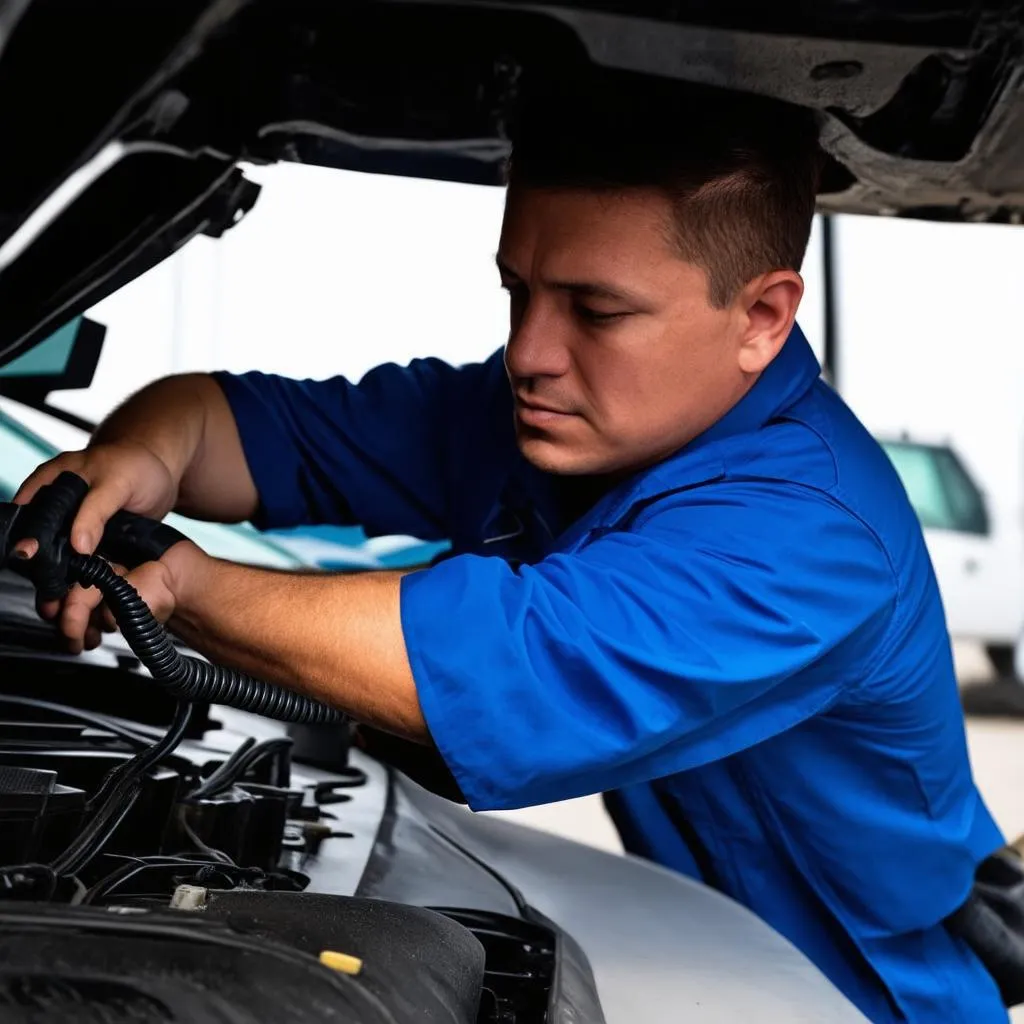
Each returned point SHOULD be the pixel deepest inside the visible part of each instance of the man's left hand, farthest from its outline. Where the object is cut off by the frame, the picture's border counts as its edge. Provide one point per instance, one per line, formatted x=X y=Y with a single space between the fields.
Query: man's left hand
x=336 y=638
x=82 y=617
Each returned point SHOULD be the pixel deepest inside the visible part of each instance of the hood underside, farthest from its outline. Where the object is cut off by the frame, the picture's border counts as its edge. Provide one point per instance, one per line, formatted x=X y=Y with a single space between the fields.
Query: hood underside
x=123 y=123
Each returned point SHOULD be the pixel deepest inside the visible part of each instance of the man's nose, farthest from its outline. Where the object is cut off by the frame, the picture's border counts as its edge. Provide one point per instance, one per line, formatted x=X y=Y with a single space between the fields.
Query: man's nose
x=537 y=345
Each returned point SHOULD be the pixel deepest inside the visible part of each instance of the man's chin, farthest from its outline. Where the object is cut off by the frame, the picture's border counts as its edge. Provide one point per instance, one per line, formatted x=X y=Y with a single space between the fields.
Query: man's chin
x=554 y=457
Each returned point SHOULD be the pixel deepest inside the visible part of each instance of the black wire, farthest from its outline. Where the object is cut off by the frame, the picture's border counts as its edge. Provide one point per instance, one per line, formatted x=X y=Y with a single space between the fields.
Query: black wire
x=268 y=748
x=122 y=795
x=189 y=678
x=248 y=755
x=136 y=740
x=97 y=721
x=110 y=780
x=118 y=792
x=200 y=867
x=96 y=834
x=123 y=784
x=225 y=766
x=108 y=883
x=121 y=874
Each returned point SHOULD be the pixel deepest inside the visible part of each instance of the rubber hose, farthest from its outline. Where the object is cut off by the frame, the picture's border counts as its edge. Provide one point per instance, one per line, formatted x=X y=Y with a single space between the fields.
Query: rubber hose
x=189 y=678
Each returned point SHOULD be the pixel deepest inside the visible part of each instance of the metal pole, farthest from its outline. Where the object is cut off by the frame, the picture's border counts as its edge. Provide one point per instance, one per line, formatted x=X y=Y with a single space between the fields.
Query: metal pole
x=830 y=360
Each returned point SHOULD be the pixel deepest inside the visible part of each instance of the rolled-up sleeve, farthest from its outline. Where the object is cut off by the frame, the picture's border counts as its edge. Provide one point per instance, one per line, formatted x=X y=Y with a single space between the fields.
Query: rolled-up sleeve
x=647 y=652
x=385 y=453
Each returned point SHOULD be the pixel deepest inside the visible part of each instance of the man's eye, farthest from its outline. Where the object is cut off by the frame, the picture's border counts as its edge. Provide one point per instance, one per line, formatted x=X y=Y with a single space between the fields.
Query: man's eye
x=594 y=316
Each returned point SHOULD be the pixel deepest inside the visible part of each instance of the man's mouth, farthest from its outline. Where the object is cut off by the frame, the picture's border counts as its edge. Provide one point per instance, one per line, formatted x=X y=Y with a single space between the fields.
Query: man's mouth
x=537 y=414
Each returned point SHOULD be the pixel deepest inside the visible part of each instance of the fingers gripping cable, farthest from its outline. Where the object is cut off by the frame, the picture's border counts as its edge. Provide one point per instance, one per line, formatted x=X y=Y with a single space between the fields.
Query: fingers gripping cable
x=131 y=540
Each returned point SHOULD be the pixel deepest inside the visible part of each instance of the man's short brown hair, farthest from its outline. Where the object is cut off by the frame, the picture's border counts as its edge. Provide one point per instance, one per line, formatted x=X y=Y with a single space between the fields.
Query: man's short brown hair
x=742 y=172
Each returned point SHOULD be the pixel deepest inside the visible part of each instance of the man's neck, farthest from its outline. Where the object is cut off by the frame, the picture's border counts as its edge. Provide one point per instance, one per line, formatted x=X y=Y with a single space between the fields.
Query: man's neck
x=577 y=495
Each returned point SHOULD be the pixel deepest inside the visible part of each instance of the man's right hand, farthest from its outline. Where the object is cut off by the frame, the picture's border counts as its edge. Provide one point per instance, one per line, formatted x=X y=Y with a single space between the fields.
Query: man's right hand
x=120 y=475
x=188 y=456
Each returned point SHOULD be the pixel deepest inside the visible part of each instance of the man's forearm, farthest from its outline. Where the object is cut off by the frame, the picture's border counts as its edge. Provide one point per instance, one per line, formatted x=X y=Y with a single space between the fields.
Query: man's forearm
x=187 y=423
x=336 y=638
x=167 y=416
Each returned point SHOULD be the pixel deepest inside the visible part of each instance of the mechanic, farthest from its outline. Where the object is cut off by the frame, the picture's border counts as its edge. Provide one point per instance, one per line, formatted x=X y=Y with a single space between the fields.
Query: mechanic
x=683 y=573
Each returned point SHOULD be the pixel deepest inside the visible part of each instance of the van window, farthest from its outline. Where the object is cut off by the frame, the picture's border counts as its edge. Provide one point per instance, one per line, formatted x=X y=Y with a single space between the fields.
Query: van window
x=943 y=494
x=965 y=499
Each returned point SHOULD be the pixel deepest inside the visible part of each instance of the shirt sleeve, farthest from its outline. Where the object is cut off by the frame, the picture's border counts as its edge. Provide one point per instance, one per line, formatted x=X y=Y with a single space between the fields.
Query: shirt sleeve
x=719 y=623
x=385 y=453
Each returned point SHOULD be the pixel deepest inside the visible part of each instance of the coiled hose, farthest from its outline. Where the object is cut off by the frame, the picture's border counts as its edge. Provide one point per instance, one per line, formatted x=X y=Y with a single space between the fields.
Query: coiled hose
x=184 y=677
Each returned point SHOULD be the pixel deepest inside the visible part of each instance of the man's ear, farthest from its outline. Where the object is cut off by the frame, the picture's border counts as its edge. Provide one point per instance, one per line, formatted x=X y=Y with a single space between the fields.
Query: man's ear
x=771 y=303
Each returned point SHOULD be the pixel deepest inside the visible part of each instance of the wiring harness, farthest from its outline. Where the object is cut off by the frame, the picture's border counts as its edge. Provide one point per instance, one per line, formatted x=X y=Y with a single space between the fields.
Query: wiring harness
x=184 y=677
x=132 y=540
x=107 y=808
x=113 y=800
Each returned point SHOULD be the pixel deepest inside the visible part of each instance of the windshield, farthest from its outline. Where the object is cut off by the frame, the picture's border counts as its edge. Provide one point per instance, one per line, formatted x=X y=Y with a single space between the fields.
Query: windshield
x=21 y=451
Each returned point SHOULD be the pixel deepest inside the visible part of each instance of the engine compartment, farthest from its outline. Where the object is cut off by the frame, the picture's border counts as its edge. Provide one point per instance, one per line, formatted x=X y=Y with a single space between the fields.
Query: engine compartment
x=217 y=889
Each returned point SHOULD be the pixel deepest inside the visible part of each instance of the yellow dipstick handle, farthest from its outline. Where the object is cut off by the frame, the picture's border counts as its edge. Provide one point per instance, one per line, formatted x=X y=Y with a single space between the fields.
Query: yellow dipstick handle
x=341 y=962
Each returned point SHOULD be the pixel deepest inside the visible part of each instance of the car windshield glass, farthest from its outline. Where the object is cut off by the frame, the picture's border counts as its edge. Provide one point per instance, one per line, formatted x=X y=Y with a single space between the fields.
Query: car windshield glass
x=21 y=451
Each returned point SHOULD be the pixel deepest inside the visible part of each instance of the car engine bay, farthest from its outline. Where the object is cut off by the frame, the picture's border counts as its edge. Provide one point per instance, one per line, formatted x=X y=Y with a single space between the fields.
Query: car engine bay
x=157 y=866
x=225 y=842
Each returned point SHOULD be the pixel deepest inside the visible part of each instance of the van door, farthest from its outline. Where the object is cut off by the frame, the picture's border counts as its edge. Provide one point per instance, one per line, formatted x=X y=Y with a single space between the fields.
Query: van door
x=976 y=561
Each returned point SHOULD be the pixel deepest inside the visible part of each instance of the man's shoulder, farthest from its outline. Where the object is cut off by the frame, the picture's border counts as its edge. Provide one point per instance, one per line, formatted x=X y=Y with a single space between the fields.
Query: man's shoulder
x=819 y=443
x=812 y=469
x=809 y=477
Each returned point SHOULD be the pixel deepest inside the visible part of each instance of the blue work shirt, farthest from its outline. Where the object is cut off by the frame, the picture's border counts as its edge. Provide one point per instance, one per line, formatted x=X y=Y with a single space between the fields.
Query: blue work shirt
x=744 y=644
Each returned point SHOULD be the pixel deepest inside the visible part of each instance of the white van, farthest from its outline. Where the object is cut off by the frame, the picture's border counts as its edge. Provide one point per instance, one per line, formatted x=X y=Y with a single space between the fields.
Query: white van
x=977 y=552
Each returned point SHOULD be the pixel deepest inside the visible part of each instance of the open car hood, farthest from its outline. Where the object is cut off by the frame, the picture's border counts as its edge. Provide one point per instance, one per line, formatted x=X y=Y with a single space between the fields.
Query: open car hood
x=123 y=123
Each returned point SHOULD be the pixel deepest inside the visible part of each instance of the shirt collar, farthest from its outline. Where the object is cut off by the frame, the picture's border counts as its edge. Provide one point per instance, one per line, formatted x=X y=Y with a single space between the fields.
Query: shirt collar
x=785 y=380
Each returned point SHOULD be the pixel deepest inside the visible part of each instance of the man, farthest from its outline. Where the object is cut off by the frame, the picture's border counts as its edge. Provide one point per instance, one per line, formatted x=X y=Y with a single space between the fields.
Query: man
x=683 y=574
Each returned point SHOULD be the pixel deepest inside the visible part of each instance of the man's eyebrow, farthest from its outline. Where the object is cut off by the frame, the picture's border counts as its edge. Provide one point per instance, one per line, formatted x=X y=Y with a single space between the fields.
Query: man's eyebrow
x=585 y=289
x=599 y=290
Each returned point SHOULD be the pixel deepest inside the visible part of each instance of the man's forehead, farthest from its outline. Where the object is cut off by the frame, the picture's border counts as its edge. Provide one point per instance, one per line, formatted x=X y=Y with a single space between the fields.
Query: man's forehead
x=584 y=285
x=644 y=203
x=587 y=223
x=619 y=240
